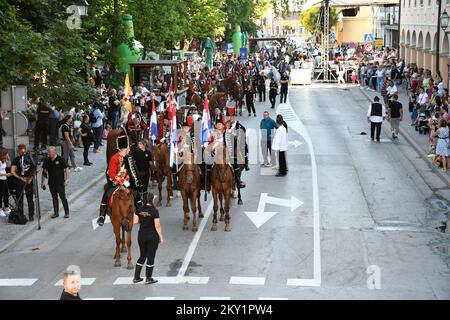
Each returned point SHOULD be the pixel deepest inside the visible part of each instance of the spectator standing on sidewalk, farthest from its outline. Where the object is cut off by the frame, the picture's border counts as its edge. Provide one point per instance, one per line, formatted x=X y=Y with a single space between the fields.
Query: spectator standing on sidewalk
x=4 y=190
x=267 y=126
x=86 y=137
x=53 y=120
x=55 y=169
x=380 y=77
x=114 y=109
x=67 y=142
x=375 y=116
x=97 y=123
x=280 y=144
x=42 y=124
x=395 y=111
x=273 y=91
x=442 y=133
x=23 y=170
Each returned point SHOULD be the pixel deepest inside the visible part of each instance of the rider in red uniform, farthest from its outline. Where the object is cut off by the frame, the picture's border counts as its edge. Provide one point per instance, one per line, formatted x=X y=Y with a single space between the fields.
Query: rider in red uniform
x=121 y=171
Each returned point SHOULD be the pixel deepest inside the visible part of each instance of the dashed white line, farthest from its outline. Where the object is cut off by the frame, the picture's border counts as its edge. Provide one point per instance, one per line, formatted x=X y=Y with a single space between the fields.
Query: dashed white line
x=98 y=298
x=159 y=298
x=267 y=298
x=215 y=298
x=83 y=282
x=17 y=282
x=165 y=280
x=254 y=281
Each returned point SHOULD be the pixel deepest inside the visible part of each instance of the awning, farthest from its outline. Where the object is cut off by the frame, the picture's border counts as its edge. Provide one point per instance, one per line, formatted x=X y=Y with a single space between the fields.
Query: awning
x=351 y=3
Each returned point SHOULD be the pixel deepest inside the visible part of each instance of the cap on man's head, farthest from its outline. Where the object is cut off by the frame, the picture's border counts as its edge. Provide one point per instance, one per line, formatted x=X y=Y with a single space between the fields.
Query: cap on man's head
x=72 y=270
x=376 y=98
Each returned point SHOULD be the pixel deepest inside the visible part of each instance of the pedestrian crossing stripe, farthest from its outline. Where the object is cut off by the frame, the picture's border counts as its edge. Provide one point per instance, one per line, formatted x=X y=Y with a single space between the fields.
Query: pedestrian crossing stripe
x=83 y=282
x=259 y=281
x=18 y=282
x=215 y=298
x=98 y=298
x=159 y=298
x=166 y=280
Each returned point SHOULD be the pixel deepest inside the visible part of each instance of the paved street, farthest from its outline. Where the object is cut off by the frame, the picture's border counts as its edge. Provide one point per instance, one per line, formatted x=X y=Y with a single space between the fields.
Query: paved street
x=348 y=206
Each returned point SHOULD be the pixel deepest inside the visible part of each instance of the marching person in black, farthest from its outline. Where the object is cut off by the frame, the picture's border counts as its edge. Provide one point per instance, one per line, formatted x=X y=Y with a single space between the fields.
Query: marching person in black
x=375 y=116
x=273 y=91
x=249 y=99
x=284 y=87
x=142 y=159
x=87 y=136
x=42 y=124
x=23 y=170
x=262 y=88
x=150 y=235
x=56 y=170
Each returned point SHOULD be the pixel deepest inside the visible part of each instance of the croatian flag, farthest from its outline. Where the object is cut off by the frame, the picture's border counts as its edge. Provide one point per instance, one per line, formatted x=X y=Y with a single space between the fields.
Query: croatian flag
x=206 y=122
x=173 y=134
x=153 y=133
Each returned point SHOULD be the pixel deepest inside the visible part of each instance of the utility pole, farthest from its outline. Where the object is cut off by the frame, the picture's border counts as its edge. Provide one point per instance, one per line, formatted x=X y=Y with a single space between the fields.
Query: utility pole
x=438 y=32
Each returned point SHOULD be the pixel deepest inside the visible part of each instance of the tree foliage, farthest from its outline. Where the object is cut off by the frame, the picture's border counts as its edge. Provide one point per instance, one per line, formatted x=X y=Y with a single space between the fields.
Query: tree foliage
x=310 y=19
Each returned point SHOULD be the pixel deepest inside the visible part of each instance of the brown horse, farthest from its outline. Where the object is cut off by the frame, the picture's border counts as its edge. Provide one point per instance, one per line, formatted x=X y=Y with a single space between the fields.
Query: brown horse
x=123 y=209
x=161 y=161
x=233 y=88
x=122 y=218
x=218 y=100
x=197 y=100
x=222 y=184
x=189 y=181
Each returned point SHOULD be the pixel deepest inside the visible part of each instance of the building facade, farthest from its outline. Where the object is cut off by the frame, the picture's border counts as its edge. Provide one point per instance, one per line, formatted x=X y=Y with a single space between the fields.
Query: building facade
x=420 y=40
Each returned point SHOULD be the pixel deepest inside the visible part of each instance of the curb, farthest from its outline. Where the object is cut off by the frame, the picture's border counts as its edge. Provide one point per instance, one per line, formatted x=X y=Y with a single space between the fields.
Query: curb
x=418 y=149
x=46 y=215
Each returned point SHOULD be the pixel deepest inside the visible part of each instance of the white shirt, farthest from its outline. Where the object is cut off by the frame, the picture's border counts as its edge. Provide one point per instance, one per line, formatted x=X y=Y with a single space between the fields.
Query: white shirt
x=280 y=140
x=376 y=118
x=3 y=170
x=380 y=73
x=392 y=90
x=422 y=99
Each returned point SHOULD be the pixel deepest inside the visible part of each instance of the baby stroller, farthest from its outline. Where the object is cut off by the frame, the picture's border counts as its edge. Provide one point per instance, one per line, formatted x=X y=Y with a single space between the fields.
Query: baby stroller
x=422 y=123
x=15 y=216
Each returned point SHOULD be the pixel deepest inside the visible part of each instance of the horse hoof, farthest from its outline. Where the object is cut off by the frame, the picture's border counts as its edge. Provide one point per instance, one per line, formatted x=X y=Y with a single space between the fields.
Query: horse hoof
x=227 y=228
x=240 y=202
x=185 y=227
x=194 y=229
x=116 y=264
x=214 y=228
x=130 y=266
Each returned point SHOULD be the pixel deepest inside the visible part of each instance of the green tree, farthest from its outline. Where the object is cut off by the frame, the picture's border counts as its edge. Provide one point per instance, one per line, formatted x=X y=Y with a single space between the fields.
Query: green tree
x=310 y=19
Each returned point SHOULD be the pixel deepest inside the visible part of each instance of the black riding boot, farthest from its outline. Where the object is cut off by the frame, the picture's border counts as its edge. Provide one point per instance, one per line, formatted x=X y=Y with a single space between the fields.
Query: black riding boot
x=237 y=176
x=55 y=209
x=148 y=276
x=175 y=181
x=101 y=218
x=137 y=274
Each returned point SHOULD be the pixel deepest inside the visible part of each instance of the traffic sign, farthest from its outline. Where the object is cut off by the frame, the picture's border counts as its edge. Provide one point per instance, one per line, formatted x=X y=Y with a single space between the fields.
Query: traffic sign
x=368 y=37
x=368 y=47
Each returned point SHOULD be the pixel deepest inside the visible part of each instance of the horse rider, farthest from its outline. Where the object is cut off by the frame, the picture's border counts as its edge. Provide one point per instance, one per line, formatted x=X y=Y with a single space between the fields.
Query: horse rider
x=136 y=124
x=121 y=171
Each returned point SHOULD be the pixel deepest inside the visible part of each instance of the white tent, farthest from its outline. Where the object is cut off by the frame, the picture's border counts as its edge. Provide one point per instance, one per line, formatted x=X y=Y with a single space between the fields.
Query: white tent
x=350 y=3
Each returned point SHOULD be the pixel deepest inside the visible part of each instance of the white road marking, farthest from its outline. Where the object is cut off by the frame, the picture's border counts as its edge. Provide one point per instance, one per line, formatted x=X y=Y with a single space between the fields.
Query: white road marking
x=295 y=143
x=259 y=217
x=83 y=282
x=17 y=282
x=298 y=126
x=302 y=282
x=267 y=171
x=267 y=298
x=98 y=298
x=165 y=280
x=94 y=222
x=159 y=298
x=194 y=242
x=215 y=298
x=257 y=281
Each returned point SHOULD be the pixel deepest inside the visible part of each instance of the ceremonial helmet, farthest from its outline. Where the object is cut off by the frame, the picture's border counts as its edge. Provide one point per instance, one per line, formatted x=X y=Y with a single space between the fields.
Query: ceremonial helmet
x=122 y=142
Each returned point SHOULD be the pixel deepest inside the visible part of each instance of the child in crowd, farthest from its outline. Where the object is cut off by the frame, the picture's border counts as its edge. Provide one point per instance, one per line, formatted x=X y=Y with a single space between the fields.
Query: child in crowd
x=106 y=131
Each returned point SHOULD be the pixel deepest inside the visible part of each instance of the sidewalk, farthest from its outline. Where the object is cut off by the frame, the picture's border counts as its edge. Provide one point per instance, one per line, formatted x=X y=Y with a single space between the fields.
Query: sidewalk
x=79 y=182
x=418 y=141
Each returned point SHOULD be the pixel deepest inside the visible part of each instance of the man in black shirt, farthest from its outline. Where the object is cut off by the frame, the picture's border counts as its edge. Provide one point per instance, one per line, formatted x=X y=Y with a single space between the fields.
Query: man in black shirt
x=284 y=87
x=56 y=170
x=23 y=170
x=42 y=124
x=395 y=111
x=273 y=91
x=114 y=109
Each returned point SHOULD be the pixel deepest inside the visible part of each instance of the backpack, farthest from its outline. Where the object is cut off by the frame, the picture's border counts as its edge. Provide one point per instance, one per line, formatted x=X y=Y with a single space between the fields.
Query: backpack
x=92 y=117
x=17 y=218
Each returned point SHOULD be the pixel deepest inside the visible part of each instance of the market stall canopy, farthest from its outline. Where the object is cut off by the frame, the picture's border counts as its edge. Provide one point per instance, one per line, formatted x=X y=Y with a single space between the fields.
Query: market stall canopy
x=350 y=3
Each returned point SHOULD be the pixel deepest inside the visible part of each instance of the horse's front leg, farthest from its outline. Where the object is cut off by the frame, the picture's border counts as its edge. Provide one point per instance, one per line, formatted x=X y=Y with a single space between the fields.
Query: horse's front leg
x=159 y=178
x=124 y=249
x=129 y=264
x=200 y=212
x=194 y=211
x=169 y=188
x=227 y=212
x=185 y=210
x=222 y=213
x=116 y=227
x=215 y=207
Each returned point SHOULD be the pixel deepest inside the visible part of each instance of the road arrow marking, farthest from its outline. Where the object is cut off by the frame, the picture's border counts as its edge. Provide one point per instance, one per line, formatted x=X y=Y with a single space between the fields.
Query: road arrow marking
x=94 y=222
x=295 y=143
x=259 y=217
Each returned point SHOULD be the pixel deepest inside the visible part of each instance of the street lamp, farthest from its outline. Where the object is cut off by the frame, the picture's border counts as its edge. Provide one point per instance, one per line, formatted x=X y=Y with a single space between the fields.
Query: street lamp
x=82 y=6
x=444 y=19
